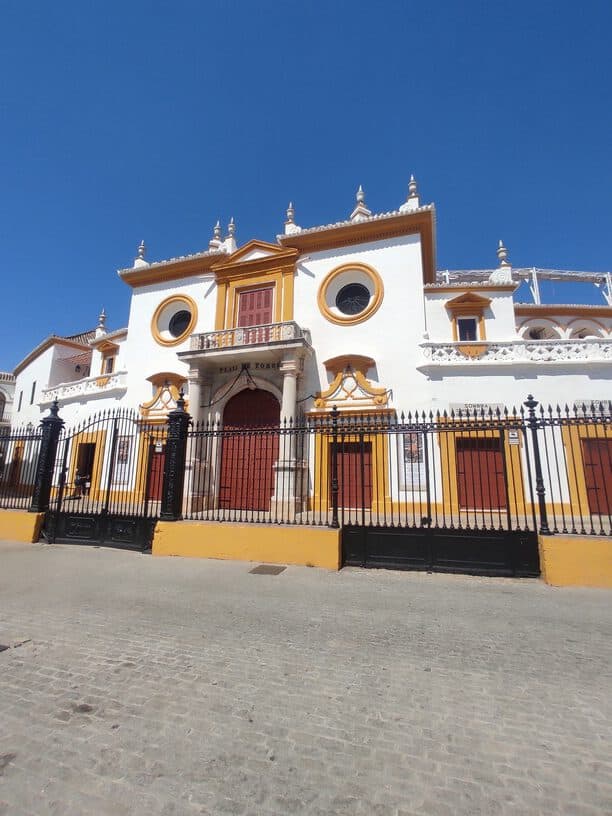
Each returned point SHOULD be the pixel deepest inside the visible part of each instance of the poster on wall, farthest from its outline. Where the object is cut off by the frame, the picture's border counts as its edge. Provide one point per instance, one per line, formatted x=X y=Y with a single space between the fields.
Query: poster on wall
x=122 y=460
x=413 y=470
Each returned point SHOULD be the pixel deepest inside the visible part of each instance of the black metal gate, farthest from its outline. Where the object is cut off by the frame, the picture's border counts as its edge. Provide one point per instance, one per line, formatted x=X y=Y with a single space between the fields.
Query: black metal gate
x=107 y=482
x=476 y=552
x=438 y=492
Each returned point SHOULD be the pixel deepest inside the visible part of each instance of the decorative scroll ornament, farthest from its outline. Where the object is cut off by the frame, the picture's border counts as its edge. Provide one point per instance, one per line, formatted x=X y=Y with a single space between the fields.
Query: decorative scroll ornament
x=351 y=390
x=164 y=400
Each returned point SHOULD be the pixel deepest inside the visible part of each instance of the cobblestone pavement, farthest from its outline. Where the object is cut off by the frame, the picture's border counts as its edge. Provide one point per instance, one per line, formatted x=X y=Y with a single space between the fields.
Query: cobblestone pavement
x=170 y=686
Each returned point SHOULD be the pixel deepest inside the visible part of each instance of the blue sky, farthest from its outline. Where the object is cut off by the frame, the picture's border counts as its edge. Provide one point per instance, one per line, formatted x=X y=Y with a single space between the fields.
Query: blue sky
x=129 y=120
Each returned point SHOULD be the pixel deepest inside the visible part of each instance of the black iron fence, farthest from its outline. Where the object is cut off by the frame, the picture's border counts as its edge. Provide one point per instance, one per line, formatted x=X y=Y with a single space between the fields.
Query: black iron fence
x=529 y=468
x=525 y=469
x=19 y=454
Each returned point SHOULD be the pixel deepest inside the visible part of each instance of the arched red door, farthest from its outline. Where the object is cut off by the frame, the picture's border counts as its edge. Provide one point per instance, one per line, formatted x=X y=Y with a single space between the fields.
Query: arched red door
x=249 y=450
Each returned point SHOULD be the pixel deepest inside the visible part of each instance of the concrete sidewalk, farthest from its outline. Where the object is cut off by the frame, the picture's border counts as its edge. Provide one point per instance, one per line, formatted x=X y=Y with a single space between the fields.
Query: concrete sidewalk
x=172 y=686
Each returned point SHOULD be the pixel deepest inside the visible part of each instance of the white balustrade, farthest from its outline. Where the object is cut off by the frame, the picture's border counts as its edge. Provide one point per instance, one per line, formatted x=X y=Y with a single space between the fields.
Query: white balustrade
x=476 y=353
x=249 y=336
x=88 y=386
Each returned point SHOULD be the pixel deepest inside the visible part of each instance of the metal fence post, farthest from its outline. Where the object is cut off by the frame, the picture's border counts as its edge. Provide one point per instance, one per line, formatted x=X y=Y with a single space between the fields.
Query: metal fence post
x=174 y=464
x=51 y=428
x=334 y=468
x=532 y=421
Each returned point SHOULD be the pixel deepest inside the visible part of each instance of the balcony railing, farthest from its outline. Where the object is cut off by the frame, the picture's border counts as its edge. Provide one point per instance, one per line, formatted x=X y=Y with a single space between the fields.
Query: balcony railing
x=518 y=351
x=88 y=386
x=249 y=336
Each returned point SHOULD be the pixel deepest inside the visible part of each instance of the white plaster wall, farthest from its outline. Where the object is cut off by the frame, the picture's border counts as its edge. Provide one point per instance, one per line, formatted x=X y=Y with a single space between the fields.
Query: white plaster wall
x=142 y=354
x=391 y=336
x=499 y=316
x=120 y=361
x=510 y=384
x=38 y=371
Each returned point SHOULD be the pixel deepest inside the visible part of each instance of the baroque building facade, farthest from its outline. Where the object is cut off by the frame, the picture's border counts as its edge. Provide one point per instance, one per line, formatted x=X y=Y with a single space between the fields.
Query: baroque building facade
x=352 y=316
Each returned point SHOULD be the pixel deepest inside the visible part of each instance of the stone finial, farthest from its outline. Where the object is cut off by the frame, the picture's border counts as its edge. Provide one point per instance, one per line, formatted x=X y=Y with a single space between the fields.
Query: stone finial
x=290 y=226
x=101 y=327
x=502 y=254
x=361 y=211
x=503 y=273
x=139 y=260
x=413 y=201
x=216 y=241
x=230 y=244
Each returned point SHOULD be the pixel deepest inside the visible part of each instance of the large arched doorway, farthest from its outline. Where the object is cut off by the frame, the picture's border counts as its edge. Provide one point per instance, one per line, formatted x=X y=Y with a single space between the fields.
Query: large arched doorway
x=249 y=450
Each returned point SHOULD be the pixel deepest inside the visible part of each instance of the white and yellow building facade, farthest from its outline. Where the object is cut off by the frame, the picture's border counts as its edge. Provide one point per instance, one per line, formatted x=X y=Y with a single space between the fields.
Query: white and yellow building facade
x=353 y=315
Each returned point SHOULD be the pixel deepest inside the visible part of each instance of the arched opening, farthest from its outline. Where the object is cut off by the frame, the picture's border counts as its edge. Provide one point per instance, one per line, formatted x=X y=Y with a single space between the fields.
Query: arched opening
x=249 y=450
x=541 y=333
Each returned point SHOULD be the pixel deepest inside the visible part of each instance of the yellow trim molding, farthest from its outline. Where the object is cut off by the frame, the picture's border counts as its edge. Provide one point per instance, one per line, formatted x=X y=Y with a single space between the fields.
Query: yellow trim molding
x=573 y=437
x=469 y=304
x=274 y=544
x=21 y=526
x=448 y=457
x=420 y=222
x=375 y=300
x=568 y=560
x=175 y=341
x=274 y=267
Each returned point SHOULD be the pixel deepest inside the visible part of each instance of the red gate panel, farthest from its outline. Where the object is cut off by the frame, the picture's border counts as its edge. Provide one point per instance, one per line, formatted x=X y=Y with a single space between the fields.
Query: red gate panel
x=597 y=456
x=248 y=456
x=480 y=474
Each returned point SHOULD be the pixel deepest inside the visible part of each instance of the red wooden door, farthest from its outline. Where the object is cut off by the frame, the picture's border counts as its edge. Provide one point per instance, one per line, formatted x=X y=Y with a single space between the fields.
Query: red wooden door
x=597 y=456
x=249 y=450
x=480 y=474
x=354 y=474
x=155 y=481
x=255 y=309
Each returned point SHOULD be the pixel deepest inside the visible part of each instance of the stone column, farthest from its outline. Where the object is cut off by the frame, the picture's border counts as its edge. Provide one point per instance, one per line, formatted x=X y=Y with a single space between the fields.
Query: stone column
x=194 y=394
x=289 y=370
x=199 y=450
x=285 y=501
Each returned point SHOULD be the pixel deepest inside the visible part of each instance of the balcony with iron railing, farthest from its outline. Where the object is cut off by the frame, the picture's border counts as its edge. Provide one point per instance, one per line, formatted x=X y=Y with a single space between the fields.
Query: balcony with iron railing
x=484 y=352
x=87 y=387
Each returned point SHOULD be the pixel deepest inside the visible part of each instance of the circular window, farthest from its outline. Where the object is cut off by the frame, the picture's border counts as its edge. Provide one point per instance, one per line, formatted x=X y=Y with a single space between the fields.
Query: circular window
x=179 y=322
x=350 y=294
x=174 y=320
x=353 y=298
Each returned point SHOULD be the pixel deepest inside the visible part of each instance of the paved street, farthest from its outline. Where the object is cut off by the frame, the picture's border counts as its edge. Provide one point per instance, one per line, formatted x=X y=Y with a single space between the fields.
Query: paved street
x=169 y=686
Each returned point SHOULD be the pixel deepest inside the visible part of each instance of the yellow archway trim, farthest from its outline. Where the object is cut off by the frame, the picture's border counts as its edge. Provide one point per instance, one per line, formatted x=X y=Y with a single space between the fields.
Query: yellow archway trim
x=351 y=320
x=183 y=299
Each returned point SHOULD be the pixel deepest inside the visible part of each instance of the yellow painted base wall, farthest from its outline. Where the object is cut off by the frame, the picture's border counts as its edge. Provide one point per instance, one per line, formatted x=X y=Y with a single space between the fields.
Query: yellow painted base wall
x=576 y=560
x=308 y=546
x=19 y=525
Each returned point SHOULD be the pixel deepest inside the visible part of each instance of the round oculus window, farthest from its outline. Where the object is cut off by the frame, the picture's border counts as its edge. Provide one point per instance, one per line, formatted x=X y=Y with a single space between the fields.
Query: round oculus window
x=174 y=320
x=353 y=298
x=350 y=294
x=179 y=323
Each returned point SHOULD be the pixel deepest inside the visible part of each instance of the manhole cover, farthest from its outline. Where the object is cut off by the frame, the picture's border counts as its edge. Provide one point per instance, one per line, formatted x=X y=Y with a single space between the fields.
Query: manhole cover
x=267 y=569
x=3 y=648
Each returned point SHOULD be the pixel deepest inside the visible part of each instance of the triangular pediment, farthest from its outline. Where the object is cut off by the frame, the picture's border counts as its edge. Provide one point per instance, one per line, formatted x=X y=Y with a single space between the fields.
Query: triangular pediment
x=253 y=251
x=255 y=256
x=469 y=298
